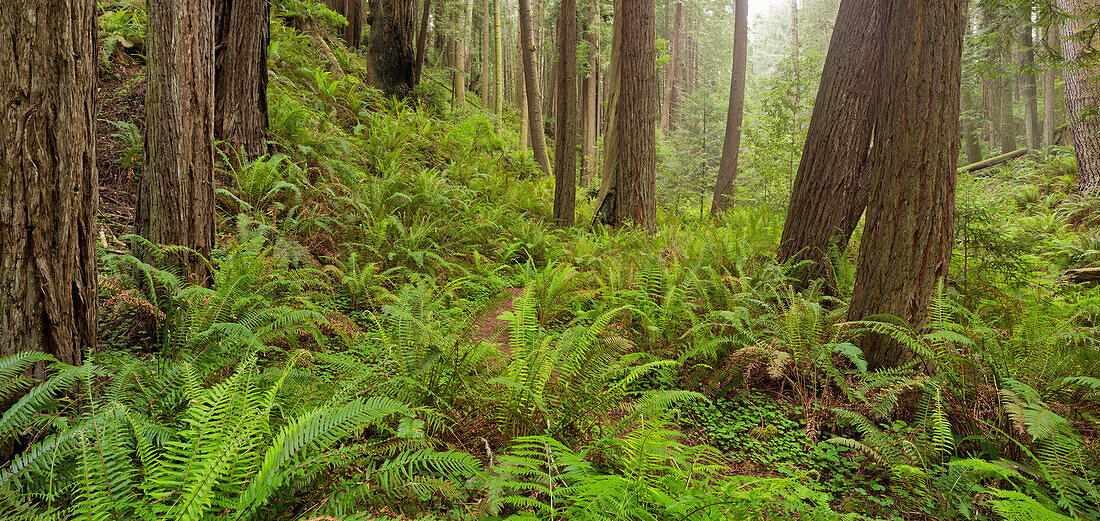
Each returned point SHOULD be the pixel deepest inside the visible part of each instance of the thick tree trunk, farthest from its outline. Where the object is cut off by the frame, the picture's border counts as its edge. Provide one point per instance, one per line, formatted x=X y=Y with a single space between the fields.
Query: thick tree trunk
x=48 y=180
x=829 y=191
x=240 y=79
x=628 y=188
x=1050 y=35
x=531 y=87
x=907 y=241
x=353 y=31
x=727 y=168
x=1082 y=93
x=390 y=58
x=421 y=42
x=1029 y=88
x=1005 y=86
x=565 y=136
x=521 y=97
x=590 y=109
x=175 y=203
x=672 y=80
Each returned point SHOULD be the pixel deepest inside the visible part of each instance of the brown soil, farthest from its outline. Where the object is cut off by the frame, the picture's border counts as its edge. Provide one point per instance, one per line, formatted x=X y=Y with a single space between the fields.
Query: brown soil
x=490 y=328
x=120 y=97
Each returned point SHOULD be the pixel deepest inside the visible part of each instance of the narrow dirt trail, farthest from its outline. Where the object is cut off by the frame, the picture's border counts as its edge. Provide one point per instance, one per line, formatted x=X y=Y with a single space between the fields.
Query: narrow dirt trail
x=490 y=328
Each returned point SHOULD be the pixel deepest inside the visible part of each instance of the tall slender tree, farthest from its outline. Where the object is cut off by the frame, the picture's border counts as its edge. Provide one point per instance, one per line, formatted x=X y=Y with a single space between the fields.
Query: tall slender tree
x=589 y=94
x=1082 y=91
x=498 y=102
x=391 y=59
x=1029 y=89
x=628 y=187
x=531 y=86
x=48 y=180
x=242 y=32
x=731 y=147
x=909 y=234
x=175 y=203
x=565 y=136
x=1050 y=37
x=829 y=191
x=422 y=42
x=672 y=80
x=486 y=38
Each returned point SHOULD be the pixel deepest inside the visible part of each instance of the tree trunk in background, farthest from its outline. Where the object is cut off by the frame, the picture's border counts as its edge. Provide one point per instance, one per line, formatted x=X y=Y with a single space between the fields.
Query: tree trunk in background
x=240 y=78
x=390 y=58
x=353 y=31
x=1082 y=93
x=531 y=87
x=461 y=50
x=727 y=168
x=175 y=203
x=486 y=37
x=908 y=237
x=829 y=191
x=498 y=103
x=628 y=188
x=1029 y=89
x=970 y=133
x=521 y=97
x=421 y=42
x=672 y=80
x=565 y=136
x=1005 y=85
x=49 y=185
x=589 y=107
x=1050 y=35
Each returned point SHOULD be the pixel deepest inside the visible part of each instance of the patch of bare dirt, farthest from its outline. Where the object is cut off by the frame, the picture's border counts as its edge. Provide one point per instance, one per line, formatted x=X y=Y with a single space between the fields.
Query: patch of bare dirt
x=490 y=328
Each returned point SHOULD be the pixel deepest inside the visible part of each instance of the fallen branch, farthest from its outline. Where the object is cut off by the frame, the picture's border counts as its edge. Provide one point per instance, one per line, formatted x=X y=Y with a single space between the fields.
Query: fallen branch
x=1089 y=276
x=993 y=161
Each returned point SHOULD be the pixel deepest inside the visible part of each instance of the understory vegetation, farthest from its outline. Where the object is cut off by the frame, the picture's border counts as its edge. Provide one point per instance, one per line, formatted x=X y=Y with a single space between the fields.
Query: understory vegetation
x=396 y=330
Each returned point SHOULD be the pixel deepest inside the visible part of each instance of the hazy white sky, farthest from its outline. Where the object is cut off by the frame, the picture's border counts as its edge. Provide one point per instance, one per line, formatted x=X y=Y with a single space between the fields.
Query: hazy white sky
x=761 y=6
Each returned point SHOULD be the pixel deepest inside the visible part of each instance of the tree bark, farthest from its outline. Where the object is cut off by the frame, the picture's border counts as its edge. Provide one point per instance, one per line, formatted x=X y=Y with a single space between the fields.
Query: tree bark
x=672 y=80
x=727 y=168
x=461 y=49
x=907 y=241
x=175 y=203
x=565 y=136
x=1082 y=92
x=628 y=188
x=240 y=78
x=48 y=179
x=390 y=58
x=829 y=191
x=531 y=87
x=1006 y=85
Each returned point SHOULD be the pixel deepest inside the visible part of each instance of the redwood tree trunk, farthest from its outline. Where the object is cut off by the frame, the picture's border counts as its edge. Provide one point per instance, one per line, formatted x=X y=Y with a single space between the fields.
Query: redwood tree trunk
x=531 y=87
x=176 y=193
x=907 y=241
x=1082 y=93
x=727 y=168
x=48 y=180
x=628 y=189
x=242 y=30
x=391 y=59
x=565 y=137
x=829 y=191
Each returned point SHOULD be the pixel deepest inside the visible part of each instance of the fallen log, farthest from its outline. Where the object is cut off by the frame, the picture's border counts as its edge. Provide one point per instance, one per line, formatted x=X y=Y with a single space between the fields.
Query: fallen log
x=1089 y=276
x=993 y=161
